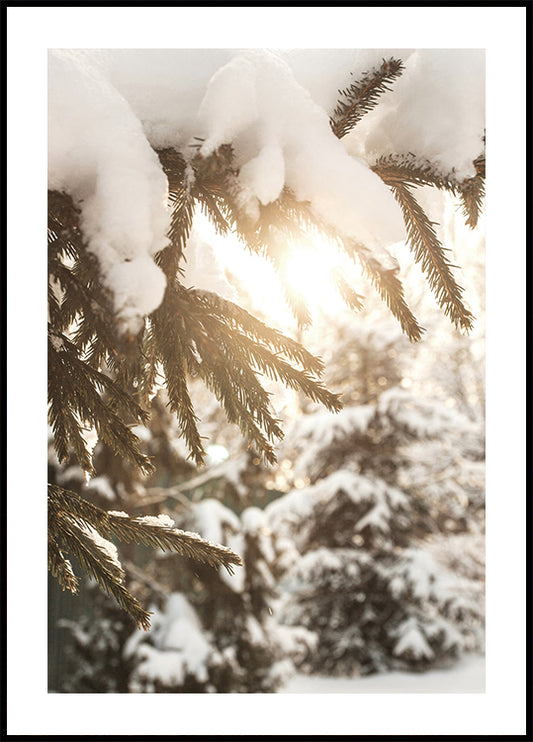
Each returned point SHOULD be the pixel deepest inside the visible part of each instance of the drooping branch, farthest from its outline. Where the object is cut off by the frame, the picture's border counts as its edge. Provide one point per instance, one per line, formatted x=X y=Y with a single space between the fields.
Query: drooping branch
x=389 y=287
x=79 y=527
x=472 y=191
x=430 y=253
x=148 y=530
x=75 y=392
x=199 y=333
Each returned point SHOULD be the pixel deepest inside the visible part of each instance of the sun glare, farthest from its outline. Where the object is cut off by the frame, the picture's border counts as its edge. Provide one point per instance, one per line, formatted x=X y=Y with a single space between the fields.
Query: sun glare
x=304 y=273
x=307 y=272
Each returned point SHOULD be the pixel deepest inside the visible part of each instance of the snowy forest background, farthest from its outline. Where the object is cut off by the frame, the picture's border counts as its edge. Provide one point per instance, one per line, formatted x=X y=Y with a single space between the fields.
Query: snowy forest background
x=501 y=706
x=363 y=547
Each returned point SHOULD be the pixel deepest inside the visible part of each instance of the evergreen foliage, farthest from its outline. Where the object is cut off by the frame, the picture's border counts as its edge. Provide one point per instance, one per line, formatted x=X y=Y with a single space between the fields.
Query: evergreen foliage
x=360 y=546
x=211 y=634
x=101 y=379
x=402 y=175
x=75 y=525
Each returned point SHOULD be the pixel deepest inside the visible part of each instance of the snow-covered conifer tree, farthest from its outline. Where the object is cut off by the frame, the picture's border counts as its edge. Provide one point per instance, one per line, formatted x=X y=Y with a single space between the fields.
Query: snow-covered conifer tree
x=361 y=573
x=212 y=633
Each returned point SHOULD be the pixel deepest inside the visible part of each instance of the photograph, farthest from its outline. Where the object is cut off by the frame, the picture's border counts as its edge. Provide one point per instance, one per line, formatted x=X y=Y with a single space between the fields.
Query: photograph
x=267 y=373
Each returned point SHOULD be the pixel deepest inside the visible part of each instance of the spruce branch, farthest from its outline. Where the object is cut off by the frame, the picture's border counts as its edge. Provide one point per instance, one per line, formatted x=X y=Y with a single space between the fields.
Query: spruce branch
x=262 y=358
x=350 y=297
x=150 y=531
x=430 y=253
x=83 y=308
x=472 y=192
x=280 y=224
x=75 y=392
x=149 y=372
x=361 y=96
x=389 y=287
x=79 y=527
x=202 y=180
x=199 y=333
x=182 y=205
x=240 y=319
x=384 y=279
x=168 y=344
x=76 y=536
x=60 y=567
x=64 y=234
x=403 y=170
x=407 y=169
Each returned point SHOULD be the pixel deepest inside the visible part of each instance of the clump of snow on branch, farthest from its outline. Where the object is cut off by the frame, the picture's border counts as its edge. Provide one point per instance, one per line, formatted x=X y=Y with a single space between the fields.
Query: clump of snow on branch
x=435 y=110
x=162 y=520
x=281 y=137
x=107 y=548
x=109 y=110
x=99 y=155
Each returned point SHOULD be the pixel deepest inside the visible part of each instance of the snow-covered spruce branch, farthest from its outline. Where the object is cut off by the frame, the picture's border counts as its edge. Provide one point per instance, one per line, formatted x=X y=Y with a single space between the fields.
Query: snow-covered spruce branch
x=70 y=534
x=408 y=169
x=203 y=181
x=157 y=532
x=403 y=172
x=270 y=363
x=79 y=527
x=211 y=182
x=80 y=394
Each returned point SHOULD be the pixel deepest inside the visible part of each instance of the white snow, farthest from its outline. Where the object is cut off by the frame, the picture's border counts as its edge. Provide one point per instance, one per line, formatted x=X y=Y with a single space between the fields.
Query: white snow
x=213 y=520
x=180 y=645
x=290 y=512
x=108 y=548
x=102 y=486
x=100 y=156
x=412 y=640
x=255 y=631
x=440 y=94
x=203 y=269
x=216 y=523
x=282 y=137
x=326 y=427
x=109 y=109
x=162 y=520
x=466 y=676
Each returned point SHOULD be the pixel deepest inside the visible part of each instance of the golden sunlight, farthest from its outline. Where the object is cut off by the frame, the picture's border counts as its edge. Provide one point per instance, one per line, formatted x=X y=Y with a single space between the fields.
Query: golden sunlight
x=308 y=271
x=304 y=272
